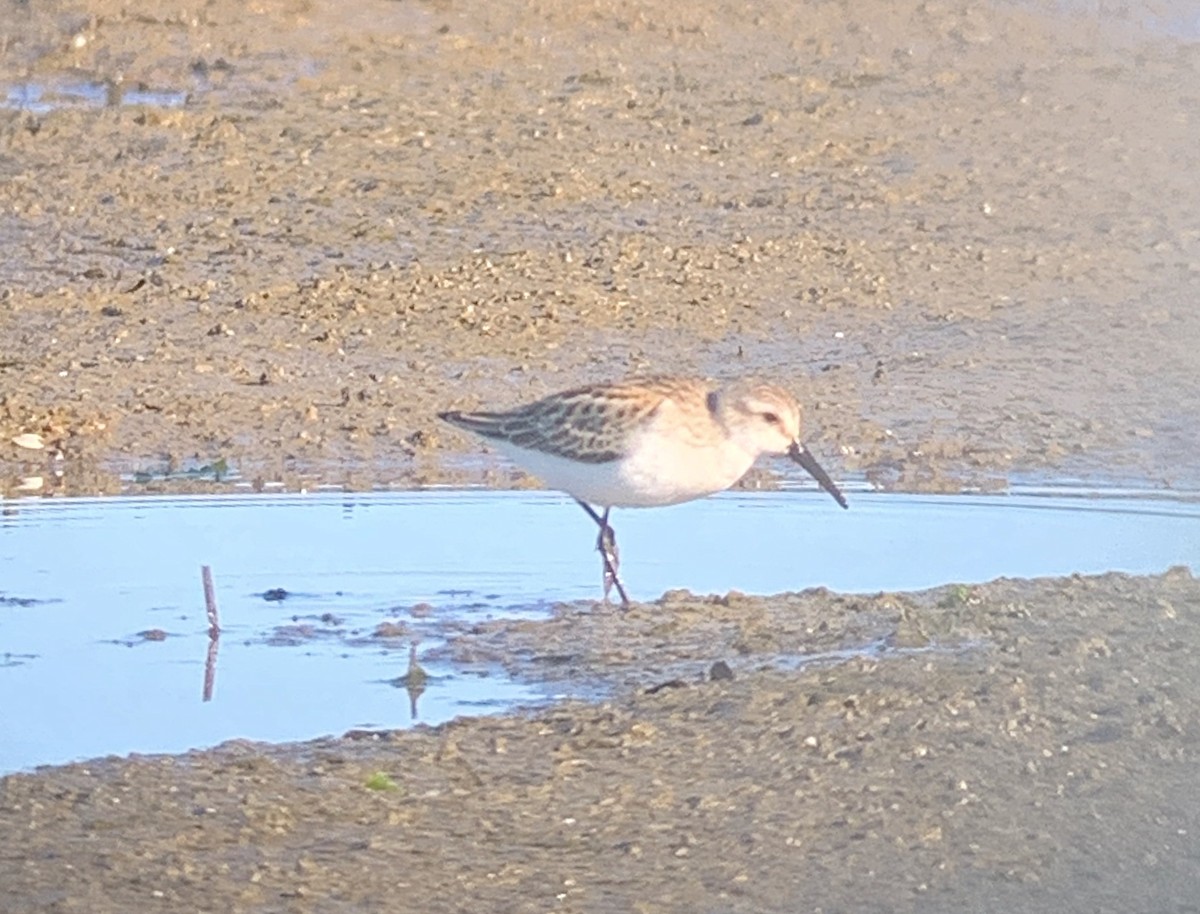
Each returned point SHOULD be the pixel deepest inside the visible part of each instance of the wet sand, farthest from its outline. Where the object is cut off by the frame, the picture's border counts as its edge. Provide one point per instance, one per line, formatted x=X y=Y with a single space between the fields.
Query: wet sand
x=967 y=235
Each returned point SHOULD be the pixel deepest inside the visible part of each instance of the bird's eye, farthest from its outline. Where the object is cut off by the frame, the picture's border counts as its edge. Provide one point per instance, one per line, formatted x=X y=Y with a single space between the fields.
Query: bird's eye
x=771 y=418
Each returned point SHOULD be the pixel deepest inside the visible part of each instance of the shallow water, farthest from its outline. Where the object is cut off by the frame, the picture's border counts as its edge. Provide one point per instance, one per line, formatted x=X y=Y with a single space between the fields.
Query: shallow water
x=80 y=579
x=43 y=98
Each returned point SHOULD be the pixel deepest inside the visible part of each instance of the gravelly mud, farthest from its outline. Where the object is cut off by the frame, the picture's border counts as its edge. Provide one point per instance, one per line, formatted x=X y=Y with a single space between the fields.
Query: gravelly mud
x=1042 y=757
x=965 y=234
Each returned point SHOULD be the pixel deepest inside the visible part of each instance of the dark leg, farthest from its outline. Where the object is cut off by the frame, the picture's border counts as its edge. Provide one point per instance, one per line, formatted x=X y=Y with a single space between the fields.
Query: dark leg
x=606 y=544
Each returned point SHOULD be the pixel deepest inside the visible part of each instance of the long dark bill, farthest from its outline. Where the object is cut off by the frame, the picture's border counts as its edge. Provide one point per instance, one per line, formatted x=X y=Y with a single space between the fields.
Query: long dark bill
x=804 y=457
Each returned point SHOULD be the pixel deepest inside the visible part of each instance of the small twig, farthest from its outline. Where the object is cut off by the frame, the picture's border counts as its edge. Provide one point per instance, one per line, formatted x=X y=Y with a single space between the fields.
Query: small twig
x=414 y=680
x=210 y=602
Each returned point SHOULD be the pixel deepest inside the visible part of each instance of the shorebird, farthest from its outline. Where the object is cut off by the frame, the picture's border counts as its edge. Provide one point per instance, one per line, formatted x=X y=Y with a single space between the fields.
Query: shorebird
x=645 y=443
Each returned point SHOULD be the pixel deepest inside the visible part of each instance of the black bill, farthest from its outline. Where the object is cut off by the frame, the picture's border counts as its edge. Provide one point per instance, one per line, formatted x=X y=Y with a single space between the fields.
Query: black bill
x=802 y=456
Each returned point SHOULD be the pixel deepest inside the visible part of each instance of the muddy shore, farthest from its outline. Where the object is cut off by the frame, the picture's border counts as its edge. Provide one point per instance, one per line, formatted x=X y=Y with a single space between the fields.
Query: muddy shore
x=965 y=234
x=269 y=241
x=1020 y=745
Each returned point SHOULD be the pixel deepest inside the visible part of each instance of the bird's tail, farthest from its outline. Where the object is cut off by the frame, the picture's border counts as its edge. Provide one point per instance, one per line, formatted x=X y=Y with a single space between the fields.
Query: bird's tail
x=489 y=425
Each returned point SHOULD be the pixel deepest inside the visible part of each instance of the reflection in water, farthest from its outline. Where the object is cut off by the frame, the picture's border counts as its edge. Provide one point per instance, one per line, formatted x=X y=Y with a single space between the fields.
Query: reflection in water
x=210 y=665
x=413 y=681
x=214 y=632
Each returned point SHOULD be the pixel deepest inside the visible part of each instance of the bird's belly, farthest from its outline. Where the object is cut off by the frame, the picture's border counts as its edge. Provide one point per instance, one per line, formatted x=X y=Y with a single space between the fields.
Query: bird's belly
x=646 y=477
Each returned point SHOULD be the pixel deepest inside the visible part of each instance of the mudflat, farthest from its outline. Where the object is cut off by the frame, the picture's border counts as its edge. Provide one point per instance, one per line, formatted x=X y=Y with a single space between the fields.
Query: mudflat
x=1019 y=745
x=279 y=237
x=965 y=234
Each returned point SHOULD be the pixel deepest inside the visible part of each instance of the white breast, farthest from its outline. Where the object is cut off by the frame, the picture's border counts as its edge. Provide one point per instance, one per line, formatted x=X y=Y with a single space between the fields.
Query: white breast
x=658 y=469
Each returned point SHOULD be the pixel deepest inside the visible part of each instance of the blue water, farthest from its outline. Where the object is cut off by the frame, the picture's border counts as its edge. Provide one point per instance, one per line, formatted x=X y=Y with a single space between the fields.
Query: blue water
x=42 y=98
x=80 y=578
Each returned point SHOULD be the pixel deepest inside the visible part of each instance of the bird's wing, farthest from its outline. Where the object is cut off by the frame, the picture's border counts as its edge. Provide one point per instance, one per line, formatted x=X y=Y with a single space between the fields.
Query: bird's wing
x=592 y=424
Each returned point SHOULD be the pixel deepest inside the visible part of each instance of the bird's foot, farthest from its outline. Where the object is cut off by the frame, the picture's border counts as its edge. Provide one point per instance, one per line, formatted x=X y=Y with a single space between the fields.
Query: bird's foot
x=606 y=545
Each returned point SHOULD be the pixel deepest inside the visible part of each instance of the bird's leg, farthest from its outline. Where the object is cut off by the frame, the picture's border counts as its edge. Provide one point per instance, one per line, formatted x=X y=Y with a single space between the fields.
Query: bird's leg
x=606 y=545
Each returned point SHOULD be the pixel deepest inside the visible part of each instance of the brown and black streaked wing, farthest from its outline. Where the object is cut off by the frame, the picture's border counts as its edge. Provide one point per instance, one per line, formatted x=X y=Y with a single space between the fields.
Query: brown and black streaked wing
x=589 y=424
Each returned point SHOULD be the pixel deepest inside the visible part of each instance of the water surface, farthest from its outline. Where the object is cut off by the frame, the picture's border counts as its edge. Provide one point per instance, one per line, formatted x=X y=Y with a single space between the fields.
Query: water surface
x=82 y=579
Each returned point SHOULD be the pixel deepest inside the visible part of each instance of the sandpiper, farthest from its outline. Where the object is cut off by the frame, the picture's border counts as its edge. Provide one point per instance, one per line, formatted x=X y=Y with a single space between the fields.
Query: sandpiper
x=646 y=442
